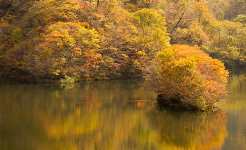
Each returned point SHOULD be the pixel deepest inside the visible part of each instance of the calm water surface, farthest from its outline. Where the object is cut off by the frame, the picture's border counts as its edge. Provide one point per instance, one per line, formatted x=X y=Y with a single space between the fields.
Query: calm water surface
x=114 y=115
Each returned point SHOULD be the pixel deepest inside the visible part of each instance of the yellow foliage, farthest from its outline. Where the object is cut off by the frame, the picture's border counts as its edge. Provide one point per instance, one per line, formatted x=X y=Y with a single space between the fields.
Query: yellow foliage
x=188 y=75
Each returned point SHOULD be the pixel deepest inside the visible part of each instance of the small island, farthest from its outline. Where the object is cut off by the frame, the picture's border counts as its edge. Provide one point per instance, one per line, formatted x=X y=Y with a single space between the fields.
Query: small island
x=186 y=78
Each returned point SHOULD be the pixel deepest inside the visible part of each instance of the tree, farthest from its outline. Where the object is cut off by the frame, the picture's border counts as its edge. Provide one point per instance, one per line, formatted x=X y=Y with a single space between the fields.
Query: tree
x=50 y=11
x=186 y=77
x=153 y=33
x=65 y=49
x=240 y=18
x=193 y=35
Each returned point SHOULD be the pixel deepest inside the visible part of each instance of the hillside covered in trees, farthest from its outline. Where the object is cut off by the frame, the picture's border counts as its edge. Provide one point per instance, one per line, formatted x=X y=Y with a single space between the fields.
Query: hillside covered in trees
x=74 y=40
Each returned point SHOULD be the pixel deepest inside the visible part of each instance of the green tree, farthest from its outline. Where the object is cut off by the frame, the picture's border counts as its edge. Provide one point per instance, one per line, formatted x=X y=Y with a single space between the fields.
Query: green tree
x=240 y=18
x=16 y=36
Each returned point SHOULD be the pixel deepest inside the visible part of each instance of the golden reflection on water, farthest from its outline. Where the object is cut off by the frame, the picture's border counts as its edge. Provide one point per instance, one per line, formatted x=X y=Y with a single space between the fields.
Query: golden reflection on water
x=101 y=116
x=235 y=109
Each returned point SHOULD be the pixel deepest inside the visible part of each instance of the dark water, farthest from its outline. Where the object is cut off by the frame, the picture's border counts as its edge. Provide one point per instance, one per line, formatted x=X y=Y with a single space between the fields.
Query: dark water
x=114 y=115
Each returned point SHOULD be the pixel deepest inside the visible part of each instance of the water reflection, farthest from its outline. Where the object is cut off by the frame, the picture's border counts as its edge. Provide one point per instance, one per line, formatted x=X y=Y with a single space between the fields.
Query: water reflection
x=236 y=113
x=100 y=116
x=189 y=130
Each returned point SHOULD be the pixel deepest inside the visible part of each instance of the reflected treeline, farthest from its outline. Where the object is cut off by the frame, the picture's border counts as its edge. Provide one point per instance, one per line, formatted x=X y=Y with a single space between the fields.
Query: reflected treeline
x=100 y=116
x=235 y=108
x=237 y=93
x=237 y=83
x=189 y=130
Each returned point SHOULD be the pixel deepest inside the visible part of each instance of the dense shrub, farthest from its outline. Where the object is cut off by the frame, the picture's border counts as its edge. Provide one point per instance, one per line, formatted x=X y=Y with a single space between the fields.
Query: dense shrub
x=187 y=77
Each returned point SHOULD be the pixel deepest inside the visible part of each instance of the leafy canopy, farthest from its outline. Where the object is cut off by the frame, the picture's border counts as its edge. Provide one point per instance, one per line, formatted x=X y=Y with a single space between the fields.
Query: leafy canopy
x=188 y=76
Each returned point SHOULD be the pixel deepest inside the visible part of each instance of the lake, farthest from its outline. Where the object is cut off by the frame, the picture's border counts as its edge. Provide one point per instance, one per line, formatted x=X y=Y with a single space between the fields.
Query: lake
x=114 y=115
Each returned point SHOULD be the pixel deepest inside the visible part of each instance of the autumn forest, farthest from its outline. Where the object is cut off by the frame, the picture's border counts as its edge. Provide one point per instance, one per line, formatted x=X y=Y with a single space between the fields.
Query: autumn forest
x=183 y=48
x=73 y=40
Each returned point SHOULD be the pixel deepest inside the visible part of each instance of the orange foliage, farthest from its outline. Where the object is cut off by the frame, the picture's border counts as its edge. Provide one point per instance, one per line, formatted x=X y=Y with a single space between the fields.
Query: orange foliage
x=189 y=76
